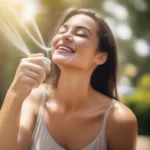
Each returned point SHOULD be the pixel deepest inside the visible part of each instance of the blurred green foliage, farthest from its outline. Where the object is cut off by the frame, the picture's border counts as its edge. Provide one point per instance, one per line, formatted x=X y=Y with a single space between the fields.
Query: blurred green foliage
x=139 y=103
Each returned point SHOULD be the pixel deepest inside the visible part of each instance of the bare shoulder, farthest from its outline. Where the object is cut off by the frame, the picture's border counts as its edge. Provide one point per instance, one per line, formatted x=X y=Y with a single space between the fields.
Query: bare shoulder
x=29 y=113
x=34 y=99
x=121 y=128
x=122 y=114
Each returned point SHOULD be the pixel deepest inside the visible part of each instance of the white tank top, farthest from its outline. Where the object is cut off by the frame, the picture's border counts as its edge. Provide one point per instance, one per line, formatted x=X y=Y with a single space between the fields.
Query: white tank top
x=42 y=139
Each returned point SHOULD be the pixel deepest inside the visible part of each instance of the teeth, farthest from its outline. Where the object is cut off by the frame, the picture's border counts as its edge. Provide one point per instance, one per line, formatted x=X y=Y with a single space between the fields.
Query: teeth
x=64 y=48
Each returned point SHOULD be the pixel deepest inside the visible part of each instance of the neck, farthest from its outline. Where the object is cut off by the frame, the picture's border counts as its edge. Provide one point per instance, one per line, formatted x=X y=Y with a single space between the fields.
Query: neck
x=74 y=89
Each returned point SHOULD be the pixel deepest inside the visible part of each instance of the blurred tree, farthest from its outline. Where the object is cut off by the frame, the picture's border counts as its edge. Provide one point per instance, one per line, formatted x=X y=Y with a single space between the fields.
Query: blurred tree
x=139 y=102
x=139 y=12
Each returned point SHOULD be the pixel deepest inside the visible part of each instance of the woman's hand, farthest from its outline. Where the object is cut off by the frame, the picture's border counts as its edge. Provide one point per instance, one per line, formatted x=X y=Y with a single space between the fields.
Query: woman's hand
x=30 y=73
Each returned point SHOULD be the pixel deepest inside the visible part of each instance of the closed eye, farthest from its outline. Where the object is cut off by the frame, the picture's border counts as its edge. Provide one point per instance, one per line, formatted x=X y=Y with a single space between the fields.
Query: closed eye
x=81 y=35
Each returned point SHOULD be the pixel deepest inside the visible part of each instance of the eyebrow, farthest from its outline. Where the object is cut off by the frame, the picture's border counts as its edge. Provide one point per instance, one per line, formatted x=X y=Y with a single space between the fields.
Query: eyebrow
x=79 y=27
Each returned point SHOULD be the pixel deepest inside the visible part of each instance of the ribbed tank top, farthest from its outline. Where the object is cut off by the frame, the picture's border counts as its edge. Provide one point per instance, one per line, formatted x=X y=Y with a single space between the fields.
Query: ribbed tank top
x=42 y=139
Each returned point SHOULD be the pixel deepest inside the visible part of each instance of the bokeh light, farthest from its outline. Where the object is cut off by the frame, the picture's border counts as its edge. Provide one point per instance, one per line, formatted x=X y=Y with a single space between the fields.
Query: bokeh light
x=141 y=47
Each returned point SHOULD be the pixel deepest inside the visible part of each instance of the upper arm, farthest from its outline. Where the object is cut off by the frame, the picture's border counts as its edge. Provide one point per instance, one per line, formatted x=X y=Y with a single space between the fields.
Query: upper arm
x=28 y=119
x=122 y=129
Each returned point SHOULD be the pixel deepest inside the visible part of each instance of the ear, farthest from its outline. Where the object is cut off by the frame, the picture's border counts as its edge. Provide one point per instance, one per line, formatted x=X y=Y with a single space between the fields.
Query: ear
x=101 y=58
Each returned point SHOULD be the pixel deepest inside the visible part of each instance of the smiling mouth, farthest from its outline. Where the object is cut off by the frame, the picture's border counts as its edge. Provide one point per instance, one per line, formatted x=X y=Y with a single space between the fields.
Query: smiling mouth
x=66 y=49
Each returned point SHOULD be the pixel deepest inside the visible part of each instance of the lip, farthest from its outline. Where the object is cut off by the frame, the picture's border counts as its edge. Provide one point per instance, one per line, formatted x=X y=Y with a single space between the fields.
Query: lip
x=70 y=48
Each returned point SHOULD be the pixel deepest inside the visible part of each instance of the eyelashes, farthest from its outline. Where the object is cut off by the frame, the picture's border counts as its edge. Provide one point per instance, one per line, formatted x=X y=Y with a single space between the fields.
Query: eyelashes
x=79 y=33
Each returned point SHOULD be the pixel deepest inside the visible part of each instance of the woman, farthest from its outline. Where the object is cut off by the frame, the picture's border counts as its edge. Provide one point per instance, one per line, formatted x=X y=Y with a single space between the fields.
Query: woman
x=79 y=108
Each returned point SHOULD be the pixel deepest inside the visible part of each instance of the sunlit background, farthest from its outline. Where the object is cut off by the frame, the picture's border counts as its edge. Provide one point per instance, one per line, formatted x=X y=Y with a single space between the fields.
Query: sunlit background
x=129 y=21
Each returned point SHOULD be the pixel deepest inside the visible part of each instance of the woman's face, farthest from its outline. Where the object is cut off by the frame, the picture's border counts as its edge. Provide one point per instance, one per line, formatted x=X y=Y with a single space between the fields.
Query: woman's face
x=76 y=43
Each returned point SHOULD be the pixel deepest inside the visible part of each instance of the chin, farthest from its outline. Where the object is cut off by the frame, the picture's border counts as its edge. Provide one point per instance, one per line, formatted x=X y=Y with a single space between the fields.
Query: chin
x=63 y=63
x=63 y=58
x=69 y=60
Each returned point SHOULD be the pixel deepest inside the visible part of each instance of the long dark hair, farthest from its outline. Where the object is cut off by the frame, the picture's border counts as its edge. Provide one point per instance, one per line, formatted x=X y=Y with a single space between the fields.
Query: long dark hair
x=104 y=76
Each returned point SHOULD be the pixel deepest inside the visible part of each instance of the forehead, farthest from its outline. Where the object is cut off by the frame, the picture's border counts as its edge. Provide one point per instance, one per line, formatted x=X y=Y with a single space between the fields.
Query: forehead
x=82 y=20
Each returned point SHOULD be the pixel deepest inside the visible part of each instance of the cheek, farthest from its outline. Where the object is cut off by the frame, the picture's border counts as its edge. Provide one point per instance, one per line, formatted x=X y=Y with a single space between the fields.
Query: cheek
x=87 y=43
x=82 y=45
x=87 y=47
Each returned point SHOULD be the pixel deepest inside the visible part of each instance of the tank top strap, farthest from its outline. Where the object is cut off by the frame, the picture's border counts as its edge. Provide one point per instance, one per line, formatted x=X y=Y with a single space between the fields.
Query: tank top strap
x=106 y=115
x=100 y=140
x=42 y=105
x=41 y=112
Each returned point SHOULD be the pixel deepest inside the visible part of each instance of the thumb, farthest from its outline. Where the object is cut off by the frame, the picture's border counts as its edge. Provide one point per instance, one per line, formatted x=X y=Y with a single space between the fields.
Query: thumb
x=47 y=64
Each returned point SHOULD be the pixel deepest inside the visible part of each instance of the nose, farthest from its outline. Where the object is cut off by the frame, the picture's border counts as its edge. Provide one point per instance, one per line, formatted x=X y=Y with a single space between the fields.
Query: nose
x=67 y=38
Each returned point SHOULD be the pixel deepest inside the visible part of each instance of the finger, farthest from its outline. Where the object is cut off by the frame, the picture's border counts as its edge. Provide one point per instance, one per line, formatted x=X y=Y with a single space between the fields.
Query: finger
x=34 y=68
x=30 y=82
x=42 y=61
x=36 y=55
x=36 y=60
x=33 y=75
x=47 y=64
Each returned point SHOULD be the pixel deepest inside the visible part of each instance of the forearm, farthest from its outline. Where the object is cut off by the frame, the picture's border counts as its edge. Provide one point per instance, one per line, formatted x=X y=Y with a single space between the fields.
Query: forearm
x=30 y=73
x=9 y=121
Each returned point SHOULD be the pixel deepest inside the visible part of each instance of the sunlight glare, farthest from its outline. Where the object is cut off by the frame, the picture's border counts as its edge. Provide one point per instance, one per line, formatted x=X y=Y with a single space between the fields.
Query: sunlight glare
x=29 y=11
x=26 y=8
